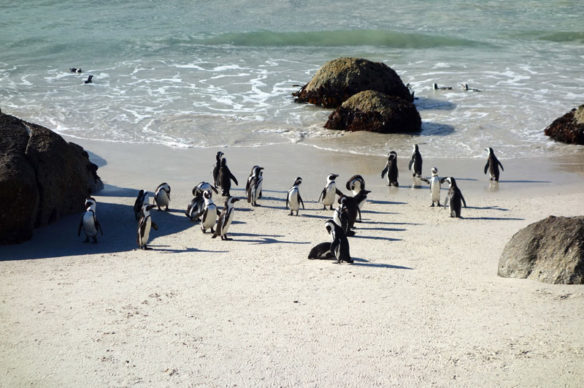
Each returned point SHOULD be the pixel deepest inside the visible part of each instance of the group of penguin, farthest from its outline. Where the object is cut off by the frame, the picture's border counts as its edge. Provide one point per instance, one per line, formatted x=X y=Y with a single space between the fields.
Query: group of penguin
x=202 y=208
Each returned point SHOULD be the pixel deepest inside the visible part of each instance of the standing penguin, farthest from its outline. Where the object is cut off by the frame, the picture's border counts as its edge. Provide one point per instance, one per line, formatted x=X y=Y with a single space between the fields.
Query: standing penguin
x=341 y=217
x=327 y=195
x=225 y=219
x=209 y=214
x=253 y=188
x=218 y=159
x=201 y=187
x=293 y=198
x=391 y=169
x=416 y=163
x=89 y=222
x=352 y=205
x=455 y=196
x=356 y=183
x=225 y=177
x=162 y=196
x=141 y=199
x=493 y=165
x=144 y=226
x=340 y=245
x=435 y=181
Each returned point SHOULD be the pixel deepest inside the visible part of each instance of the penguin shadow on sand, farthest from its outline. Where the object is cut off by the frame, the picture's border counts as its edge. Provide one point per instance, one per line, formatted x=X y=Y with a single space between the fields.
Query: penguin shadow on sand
x=490 y=209
x=262 y=239
x=366 y=263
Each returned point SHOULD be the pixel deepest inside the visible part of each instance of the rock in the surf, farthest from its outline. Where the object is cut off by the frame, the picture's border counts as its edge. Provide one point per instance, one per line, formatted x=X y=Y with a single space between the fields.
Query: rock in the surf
x=341 y=78
x=550 y=250
x=569 y=128
x=42 y=178
x=376 y=112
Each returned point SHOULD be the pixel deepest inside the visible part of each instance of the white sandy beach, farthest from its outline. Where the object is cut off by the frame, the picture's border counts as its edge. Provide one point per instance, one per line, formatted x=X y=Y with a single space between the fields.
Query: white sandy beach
x=421 y=306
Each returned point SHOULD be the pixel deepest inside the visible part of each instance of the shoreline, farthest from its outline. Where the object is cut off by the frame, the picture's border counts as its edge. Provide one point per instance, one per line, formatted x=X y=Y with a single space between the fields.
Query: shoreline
x=421 y=305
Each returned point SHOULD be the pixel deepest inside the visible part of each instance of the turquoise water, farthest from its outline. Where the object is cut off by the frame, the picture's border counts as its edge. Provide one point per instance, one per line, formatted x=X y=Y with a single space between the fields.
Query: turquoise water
x=216 y=73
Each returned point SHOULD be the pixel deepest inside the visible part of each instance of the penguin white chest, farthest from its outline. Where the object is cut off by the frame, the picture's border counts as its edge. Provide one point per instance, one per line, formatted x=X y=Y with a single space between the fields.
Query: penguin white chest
x=435 y=186
x=89 y=226
x=330 y=192
x=293 y=199
x=211 y=217
x=162 y=198
x=147 y=226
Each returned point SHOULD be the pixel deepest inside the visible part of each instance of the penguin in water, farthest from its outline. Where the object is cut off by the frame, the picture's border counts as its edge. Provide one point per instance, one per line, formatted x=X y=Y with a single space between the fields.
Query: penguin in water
x=327 y=195
x=209 y=214
x=293 y=199
x=456 y=198
x=141 y=199
x=415 y=165
x=466 y=88
x=77 y=70
x=89 y=79
x=253 y=188
x=355 y=184
x=352 y=206
x=162 y=196
x=89 y=222
x=391 y=169
x=145 y=225
x=434 y=181
x=225 y=219
x=225 y=177
x=493 y=165
x=218 y=159
x=340 y=243
x=436 y=87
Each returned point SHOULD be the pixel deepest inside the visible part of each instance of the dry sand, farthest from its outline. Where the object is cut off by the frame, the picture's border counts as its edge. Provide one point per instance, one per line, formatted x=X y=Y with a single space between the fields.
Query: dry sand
x=422 y=305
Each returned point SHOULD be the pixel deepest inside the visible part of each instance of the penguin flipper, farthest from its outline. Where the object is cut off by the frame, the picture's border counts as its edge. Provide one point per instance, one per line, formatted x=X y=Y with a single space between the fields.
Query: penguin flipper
x=205 y=215
x=287 y=201
x=214 y=189
x=80 y=226
x=442 y=180
x=486 y=167
x=322 y=195
x=300 y=200
x=411 y=163
x=500 y=164
x=384 y=171
x=463 y=201
x=339 y=192
x=98 y=226
x=154 y=226
x=233 y=178
x=425 y=180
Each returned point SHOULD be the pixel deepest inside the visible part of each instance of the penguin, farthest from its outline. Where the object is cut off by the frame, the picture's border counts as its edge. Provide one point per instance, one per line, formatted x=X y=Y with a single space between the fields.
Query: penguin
x=415 y=165
x=321 y=251
x=352 y=205
x=355 y=184
x=141 y=199
x=162 y=196
x=144 y=226
x=455 y=196
x=209 y=214
x=327 y=195
x=203 y=186
x=467 y=89
x=225 y=177
x=493 y=165
x=218 y=159
x=436 y=87
x=89 y=79
x=391 y=169
x=340 y=243
x=225 y=219
x=294 y=199
x=89 y=222
x=76 y=70
x=253 y=188
x=434 y=181
x=196 y=208
x=341 y=217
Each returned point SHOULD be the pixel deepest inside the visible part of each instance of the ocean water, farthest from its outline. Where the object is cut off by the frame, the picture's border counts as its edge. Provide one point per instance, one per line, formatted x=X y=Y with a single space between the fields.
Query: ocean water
x=221 y=73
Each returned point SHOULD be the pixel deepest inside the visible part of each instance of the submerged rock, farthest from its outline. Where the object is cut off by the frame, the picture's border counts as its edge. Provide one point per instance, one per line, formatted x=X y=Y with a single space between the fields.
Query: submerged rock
x=341 y=78
x=376 y=112
x=551 y=251
x=42 y=178
x=569 y=128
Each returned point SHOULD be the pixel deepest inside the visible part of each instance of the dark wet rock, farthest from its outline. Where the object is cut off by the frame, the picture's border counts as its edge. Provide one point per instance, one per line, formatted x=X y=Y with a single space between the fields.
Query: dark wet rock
x=341 y=78
x=42 y=178
x=551 y=251
x=569 y=128
x=376 y=112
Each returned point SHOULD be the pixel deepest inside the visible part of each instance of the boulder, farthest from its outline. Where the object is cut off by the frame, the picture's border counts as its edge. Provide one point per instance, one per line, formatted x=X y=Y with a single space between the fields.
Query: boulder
x=569 y=128
x=376 y=112
x=341 y=78
x=551 y=251
x=42 y=178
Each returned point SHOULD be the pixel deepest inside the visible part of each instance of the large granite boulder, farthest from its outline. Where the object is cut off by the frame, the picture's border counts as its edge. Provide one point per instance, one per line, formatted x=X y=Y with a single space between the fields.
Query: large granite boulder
x=551 y=251
x=376 y=112
x=42 y=178
x=341 y=78
x=569 y=128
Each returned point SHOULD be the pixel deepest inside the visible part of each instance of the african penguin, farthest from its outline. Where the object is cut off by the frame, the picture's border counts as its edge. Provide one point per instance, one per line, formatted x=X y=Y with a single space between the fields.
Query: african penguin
x=352 y=205
x=218 y=159
x=76 y=70
x=141 y=199
x=391 y=169
x=340 y=243
x=493 y=165
x=196 y=207
x=435 y=181
x=209 y=214
x=201 y=187
x=162 y=196
x=327 y=195
x=455 y=197
x=341 y=217
x=144 y=226
x=293 y=199
x=225 y=177
x=89 y=79
x=415 y=165
x=225 y=219
x=436 y=87
x=321 y=251
x=89 y=222
x=356 y=183
x=253 y=188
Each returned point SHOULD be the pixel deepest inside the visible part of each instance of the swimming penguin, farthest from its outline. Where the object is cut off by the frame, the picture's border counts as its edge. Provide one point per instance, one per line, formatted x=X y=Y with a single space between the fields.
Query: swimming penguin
x=340 y=243
x=162 y=196
x=415 y=165
x=218 y=159
x=141 y=199
x=321 y=251
x=327 y=195
x=293 y=199
x=89 y=79
x=225 y=219
x=466 y=88
x=391 y=169
x=144 y=226
x=455 y=197
x=89 y=222
x=493 y=165
x=352 y=205
x=76 y=70
x=434 y=181
x=209 y=214
x=436 y=87
x=341 y=217
x=253 y=188
x=356 y=183
x=225 y=177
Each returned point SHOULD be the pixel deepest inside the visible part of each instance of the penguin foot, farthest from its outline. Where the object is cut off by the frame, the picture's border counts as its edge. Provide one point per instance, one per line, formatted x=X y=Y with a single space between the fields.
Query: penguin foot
x=214 y=235
x=432 y=205
x=350 y=261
